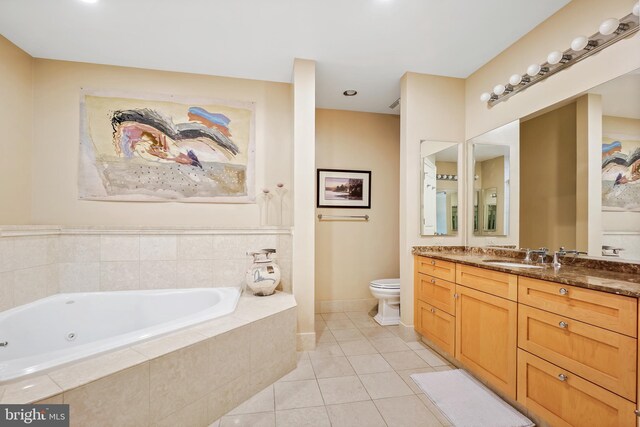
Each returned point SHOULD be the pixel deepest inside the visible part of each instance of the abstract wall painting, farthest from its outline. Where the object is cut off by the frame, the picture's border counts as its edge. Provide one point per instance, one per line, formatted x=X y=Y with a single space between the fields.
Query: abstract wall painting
x=621 y=173
x=165 y=149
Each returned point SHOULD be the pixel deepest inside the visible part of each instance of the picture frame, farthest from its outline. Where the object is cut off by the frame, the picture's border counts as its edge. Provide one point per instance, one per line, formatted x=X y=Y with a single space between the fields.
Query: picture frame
x=343 y=188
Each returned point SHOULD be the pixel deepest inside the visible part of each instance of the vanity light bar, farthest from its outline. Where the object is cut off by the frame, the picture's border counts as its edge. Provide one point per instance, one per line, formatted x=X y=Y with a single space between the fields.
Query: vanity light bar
x=443 y=177
x=611 y=31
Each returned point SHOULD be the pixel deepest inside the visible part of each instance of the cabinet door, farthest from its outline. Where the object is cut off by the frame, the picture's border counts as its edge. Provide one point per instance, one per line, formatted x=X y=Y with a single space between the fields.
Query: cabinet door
x=436 y=325
x=486 y=337
x=436 y=292
x=564 y=399
x=598 y=355
x=614 y=312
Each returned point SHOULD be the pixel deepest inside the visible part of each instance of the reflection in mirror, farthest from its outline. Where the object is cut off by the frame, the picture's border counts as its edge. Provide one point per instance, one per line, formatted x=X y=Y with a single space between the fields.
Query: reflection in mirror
x=580 y=172
x=439 y=193
x=491 y=190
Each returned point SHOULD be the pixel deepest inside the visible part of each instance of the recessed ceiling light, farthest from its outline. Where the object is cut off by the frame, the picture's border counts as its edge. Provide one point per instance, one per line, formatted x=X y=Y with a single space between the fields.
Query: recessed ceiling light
x=89 y=1
x=350 y=92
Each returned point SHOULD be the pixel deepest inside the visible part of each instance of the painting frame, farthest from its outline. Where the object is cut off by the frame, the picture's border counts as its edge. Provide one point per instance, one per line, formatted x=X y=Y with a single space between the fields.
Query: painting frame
x=351 y=188
x=89 y=187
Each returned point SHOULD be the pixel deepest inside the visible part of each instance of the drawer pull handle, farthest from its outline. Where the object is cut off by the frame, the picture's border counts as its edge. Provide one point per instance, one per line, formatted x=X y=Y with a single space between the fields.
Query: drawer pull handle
x=456 y=295
x=563 y=324
x=433 y=310
x=562 y=377
x=433 y=280
x=563 y=291
x=433 y=263
x=637 y=412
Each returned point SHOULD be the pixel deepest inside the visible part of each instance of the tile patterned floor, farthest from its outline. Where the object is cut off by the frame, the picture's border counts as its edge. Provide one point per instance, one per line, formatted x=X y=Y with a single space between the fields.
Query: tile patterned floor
x=358 y=376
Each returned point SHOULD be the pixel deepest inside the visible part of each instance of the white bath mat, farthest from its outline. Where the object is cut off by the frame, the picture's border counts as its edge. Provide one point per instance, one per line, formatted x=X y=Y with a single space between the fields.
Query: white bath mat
x=466 y=402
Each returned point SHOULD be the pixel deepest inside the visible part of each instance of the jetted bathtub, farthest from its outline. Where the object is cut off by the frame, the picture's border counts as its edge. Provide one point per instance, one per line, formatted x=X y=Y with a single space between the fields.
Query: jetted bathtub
x=66 y=327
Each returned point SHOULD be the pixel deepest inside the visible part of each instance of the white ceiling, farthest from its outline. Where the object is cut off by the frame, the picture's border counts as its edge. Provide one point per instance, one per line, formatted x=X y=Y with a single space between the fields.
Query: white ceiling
x=365 y=45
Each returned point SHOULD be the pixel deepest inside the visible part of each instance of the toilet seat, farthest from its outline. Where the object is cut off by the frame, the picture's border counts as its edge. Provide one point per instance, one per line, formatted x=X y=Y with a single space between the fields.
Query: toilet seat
x=385 y=284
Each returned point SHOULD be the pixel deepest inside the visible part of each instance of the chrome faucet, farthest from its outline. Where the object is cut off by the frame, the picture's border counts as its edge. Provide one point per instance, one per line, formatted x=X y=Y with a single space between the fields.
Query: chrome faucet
x=542 y=254
x=527 y=256
x=564 y=252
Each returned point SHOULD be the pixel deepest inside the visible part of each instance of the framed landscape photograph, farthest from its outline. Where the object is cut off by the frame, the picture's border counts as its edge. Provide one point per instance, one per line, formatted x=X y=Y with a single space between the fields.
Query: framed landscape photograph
x=339 y=188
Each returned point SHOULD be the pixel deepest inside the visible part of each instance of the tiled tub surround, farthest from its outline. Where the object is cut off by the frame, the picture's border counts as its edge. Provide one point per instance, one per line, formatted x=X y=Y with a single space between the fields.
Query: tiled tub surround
x=190 y=378
x=619 y=277
x=36 y=262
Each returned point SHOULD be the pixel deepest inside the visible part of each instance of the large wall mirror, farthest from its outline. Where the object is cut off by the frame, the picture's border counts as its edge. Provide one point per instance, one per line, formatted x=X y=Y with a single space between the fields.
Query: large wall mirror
x=580 y=172
x=439 y=192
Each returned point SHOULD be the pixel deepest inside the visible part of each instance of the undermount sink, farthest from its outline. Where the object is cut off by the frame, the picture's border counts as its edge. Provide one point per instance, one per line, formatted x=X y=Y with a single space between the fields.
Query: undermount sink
x=513 y=264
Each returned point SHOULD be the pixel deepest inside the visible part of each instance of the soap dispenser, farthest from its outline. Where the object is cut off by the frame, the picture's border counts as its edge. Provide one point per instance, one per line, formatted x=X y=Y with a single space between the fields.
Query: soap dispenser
x=264 y=274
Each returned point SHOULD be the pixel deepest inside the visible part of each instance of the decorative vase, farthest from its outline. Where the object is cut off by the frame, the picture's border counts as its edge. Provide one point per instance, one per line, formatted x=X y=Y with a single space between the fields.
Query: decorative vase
x=264 y=274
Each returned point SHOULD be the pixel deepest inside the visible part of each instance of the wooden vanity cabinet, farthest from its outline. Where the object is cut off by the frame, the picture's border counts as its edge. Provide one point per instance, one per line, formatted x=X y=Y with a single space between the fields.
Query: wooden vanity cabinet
x=486 y=333
x=436 y=325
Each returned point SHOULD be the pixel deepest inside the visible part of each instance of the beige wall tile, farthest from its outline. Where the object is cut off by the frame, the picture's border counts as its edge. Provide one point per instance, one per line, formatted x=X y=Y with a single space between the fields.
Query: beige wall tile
x=7 y=254
x=195 y=247
x=55 y=400
x=79 y=248
x=119 y=248
x=194 y=274
x=273 y=337
x=227 y=247
x=33 y=283
x=168 y=343
x=194 y=415
x=119 y=275
x=30 y=252
x=222 y=399
x=120 y=399
x=229 y=272
x=178 y=379
x=158 y=248
x=230 y=355
x=79 y=276
x=7 y=284
x=158 y=274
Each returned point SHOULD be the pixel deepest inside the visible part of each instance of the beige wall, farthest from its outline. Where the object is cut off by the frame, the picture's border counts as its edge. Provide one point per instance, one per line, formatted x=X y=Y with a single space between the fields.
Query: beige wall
x=349 y=254
x=16 y=117
x=432 y=110
x=57 y=88
x=578 y=17
x=548 y=180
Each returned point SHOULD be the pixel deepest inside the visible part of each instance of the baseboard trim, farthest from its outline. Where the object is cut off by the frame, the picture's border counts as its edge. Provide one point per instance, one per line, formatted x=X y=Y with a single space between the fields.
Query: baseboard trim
x=306 y=341
x=344 y=305
x=407 y=332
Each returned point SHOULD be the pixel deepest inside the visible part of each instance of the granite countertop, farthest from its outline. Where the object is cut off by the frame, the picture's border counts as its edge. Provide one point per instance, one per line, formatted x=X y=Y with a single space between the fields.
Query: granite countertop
x=622 y=278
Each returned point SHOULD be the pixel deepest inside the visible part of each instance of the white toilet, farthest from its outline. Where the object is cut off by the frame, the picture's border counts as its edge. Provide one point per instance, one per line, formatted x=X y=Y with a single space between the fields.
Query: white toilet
x=388 y=293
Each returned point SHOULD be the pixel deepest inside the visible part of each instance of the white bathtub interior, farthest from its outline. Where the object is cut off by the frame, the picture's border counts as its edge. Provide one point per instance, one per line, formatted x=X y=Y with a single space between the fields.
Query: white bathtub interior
x=63 y=328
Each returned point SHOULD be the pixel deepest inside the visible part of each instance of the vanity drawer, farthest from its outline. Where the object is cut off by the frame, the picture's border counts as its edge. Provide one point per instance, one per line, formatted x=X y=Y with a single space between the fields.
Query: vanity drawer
x=437 y=292
x=614 y=312
x=436 y=325
x=598 y=355
x=568 y=400
x=435 y=267
x=493 y=282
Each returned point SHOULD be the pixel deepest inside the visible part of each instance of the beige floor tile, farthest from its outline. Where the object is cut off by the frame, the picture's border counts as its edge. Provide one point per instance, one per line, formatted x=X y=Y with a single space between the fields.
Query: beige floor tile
x=385 y=384
x=342 y=390
x=216 y=423
x=416 y=345
x=365 y=323
x=387 y=345
x=318 y=317
x=266 y=419
x=325 y=335
x=431 y=357
x=406 y=376
x=260 y=402
x=358 y=315
x=326 y=349
x=375 y=332
x=407 y=411
x=356 y=348
x=297 y=394
x=356 y=414
x=435 y=410
x=369 y=364
x=444 y=368
x=334 y=316
x=340 y=324
x=305 y=417
x=304 y=371
x=302 y=355
x=320 y=325
x=400 y=360
x=395 y=329
x=331 y=367
x=342 y=335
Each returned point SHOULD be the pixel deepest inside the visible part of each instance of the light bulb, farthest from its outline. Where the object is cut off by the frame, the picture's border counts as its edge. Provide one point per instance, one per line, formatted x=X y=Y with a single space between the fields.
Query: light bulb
x=579 y=43
x=609 y=26
x=498 y=90
x=515 y=80
x=554 y=57
x=485 y=97
x=636 y=9
x=533 y=70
